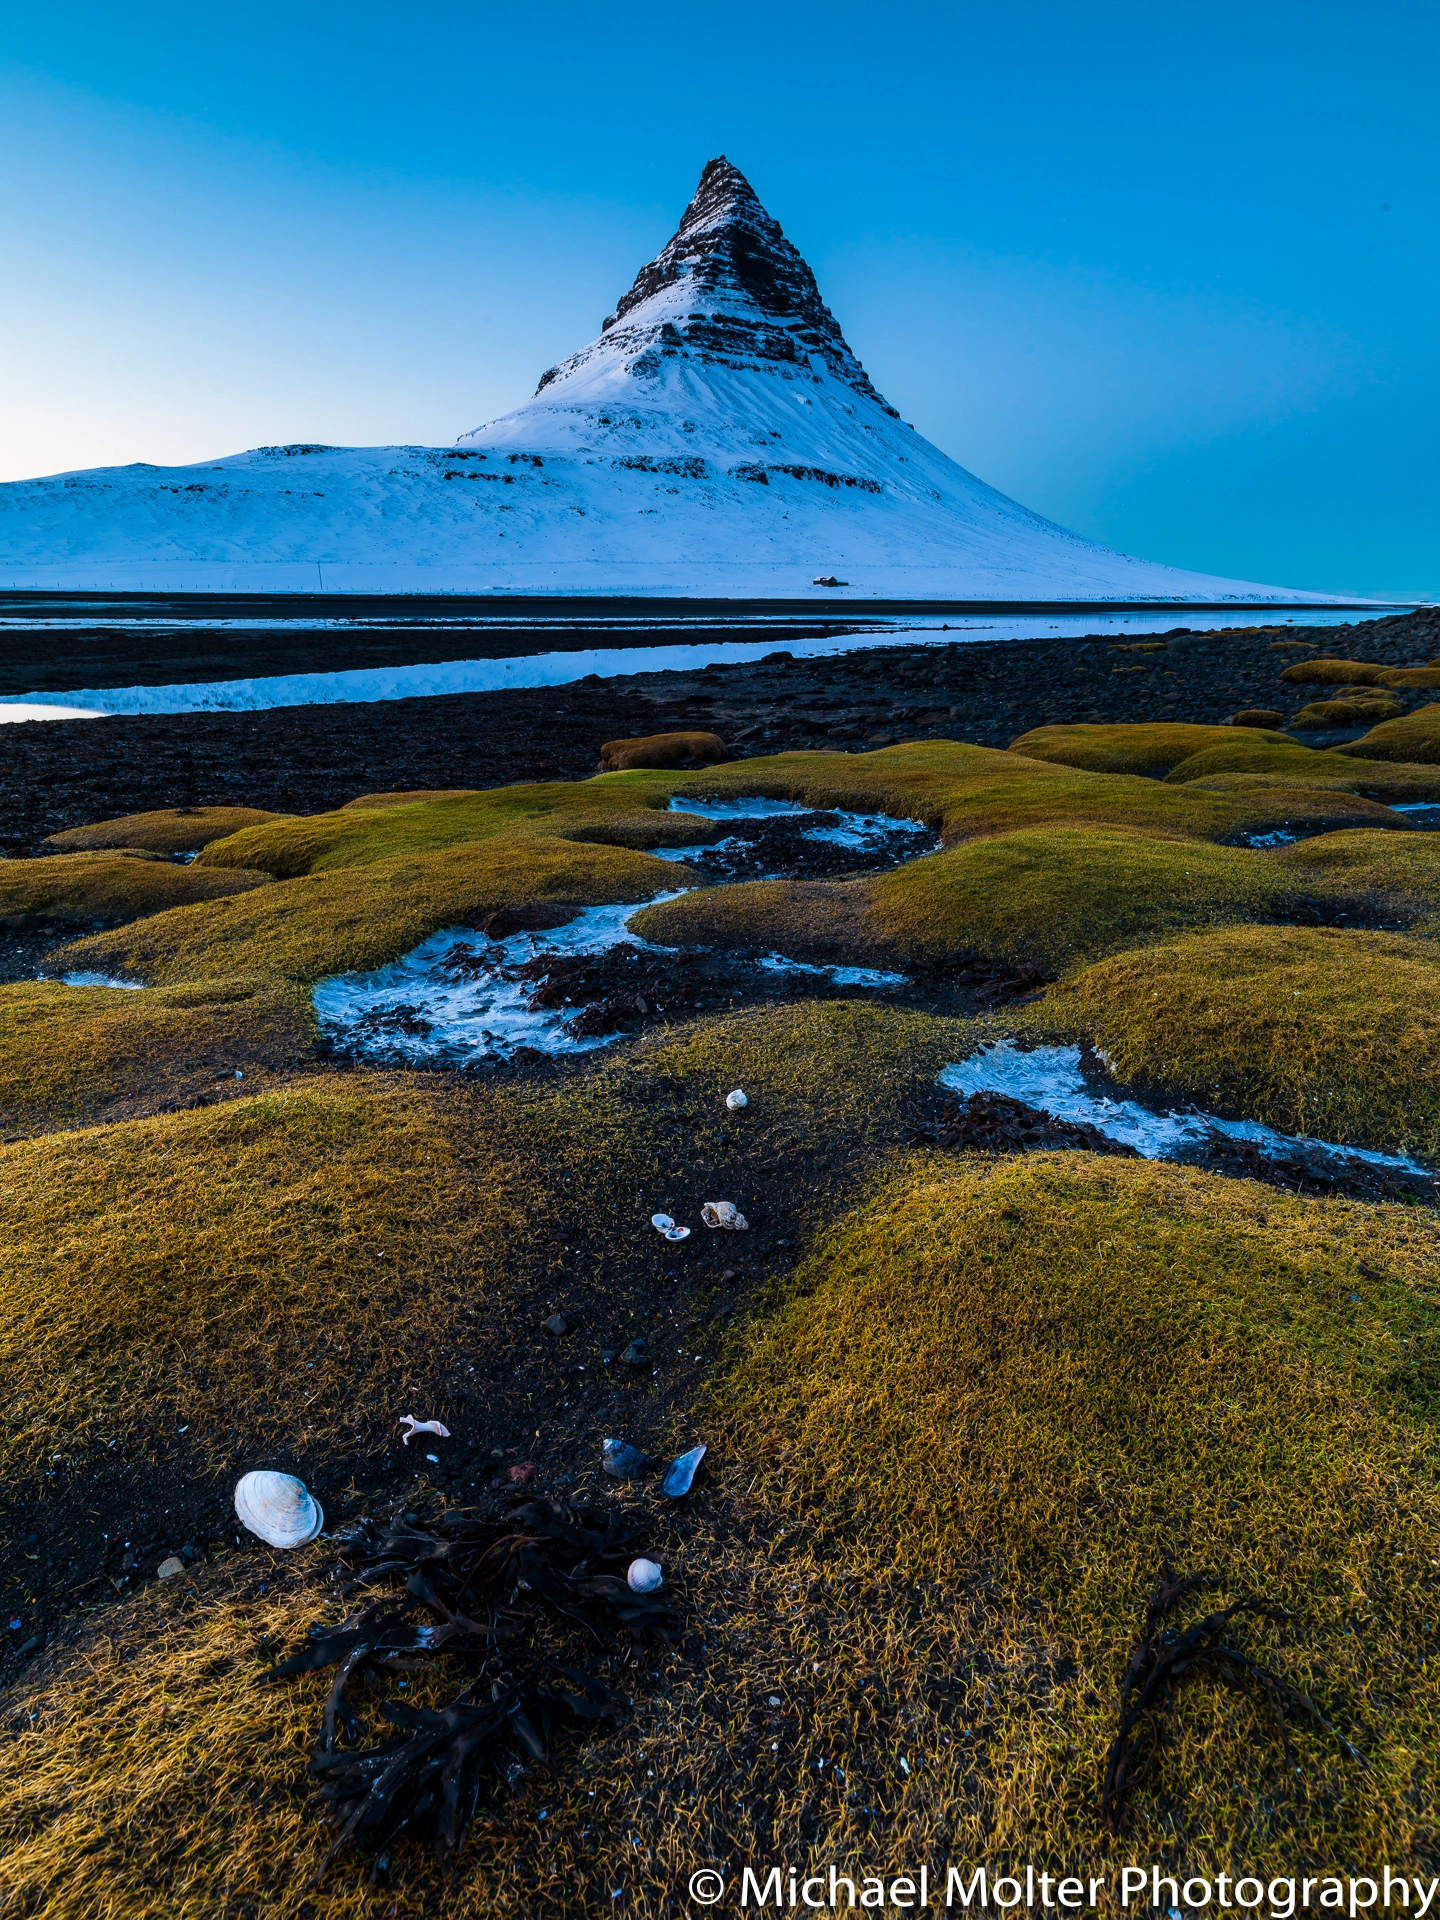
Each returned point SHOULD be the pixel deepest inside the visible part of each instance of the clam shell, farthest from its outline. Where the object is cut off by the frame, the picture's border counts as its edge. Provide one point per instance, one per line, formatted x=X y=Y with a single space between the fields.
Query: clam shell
x=724 y=1213
x=278 y=1508
x=661 y=1222
x=644 y=1576
x=677 y=1233
x=622 y=1461
x=680 y=1474
x=736 y=1099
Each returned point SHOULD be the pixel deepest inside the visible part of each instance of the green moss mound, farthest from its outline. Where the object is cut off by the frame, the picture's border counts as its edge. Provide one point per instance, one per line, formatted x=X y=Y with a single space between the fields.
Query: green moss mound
x=1311 y=1030
x=1305 y=809
x=170 y=830
x=1329 y=672
x=354 y=919
x=1389 y=878
x=1410 y=677
x=1044 y=1378
x=1332 y=768
x=70 y=1056
x=1053 y=898
x=1350 y=711
x=106 y=889
x=1415 y=738
x=1149 y=748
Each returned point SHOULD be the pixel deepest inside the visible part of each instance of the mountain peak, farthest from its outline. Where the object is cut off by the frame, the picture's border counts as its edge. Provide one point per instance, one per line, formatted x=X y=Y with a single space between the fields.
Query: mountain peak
x=728 y=290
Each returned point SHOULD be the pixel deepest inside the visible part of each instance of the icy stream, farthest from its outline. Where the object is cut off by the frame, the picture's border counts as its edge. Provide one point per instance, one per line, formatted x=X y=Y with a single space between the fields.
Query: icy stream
x=459 y=997
x=1053 y=1079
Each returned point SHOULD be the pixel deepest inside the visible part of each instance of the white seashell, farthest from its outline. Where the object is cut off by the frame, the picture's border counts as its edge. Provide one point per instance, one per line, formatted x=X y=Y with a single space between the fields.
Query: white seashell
x=661 y=1222
x=736 y=1100
x=678 y=1233
x=277 y=1507
x=422 y=1426
x=680 y=1474
x=644 y=1576
x=724 y=1213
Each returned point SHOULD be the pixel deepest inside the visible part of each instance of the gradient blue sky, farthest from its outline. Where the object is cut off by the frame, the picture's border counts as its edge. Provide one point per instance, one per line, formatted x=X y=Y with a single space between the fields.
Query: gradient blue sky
x=1167 y=274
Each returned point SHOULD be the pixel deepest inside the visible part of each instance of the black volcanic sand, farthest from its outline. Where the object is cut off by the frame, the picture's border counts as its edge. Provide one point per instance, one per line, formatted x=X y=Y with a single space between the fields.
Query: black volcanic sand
x=72 y=1557
x=58 y=774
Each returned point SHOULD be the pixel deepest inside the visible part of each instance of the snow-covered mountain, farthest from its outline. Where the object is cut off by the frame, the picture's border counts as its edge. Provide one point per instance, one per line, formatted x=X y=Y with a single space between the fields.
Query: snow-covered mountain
x=718 y=438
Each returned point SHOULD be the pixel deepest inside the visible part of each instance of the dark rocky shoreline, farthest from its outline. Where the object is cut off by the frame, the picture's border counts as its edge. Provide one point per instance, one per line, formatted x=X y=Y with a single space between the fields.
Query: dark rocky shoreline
x=59 y=774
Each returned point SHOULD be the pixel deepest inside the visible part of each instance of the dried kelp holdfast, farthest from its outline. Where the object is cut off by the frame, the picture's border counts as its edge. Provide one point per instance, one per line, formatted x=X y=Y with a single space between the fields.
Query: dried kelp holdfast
x=487 y=1579
x=1165 y=1655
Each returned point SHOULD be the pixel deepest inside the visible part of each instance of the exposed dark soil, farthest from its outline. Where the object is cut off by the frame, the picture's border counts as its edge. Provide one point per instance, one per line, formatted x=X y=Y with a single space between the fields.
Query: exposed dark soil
x=59 y=774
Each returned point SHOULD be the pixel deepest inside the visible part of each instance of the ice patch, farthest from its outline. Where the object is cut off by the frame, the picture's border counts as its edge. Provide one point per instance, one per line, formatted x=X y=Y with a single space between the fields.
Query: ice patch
x=863 y=831
x=97 y=980
x=14 y=710
x=449 y=1001
x=842 y=976
x=752 y=809
x=1052 y=1078
x=1276 y=839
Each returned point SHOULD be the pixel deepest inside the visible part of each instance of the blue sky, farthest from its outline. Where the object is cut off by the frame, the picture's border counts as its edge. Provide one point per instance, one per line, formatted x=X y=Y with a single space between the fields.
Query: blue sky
x=1168 y=275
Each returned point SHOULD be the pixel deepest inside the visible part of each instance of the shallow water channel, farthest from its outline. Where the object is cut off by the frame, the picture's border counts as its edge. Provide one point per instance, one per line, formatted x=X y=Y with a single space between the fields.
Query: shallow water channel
x=1056 y=1081
x=462 y=997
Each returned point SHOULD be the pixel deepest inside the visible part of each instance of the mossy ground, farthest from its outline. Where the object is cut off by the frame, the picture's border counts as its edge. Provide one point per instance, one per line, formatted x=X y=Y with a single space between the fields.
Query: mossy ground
x=949 y=1452
x=1415 y=737
x=946 y=1461
x=1051 y=898
x=105 y=889
x=1032 y=1382
x=1181 y=755
x=1327 y=671
x=1309 y=1029
x=70 y=1056
x=169 y=830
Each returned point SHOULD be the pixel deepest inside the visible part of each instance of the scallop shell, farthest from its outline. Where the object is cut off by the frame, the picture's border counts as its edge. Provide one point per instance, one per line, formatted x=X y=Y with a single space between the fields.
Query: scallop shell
x=680 y=1474
x=724 y=1213
x=736 y=1100
x=644 y=1576
x=622 y=1461
x=278 y=1508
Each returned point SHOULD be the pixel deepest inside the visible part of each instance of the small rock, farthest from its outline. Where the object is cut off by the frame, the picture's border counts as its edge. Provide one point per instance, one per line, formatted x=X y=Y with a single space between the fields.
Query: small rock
x=635 y=1355
x=557 y=1324
x=622 y=1461
x=167 y=1569
x=522 y=1473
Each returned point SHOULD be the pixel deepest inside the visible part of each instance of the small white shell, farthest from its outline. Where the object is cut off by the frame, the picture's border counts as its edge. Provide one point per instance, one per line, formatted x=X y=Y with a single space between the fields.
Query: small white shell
x=678 y=1233
x=437 y=1427
x=736 y=1099
x=661 y=1222
x=644 y=1576
x=724 y=1213
x=278 y=1508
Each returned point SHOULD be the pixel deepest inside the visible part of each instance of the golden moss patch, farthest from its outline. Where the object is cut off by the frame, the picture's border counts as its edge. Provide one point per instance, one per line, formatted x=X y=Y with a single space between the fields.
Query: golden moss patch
x=1388 y=877
x=74 y=1055
x=1415 y=738
x=105 y=889
x=358 y=918
x=1045 y=1377
x=1308 y=1029
x=662 y=750
x=1352 y=710
x=1329 y=672
x=170 y=830
x=1149 y=748
x=1327 y=767
x=1052 y=898
x=1411 y=677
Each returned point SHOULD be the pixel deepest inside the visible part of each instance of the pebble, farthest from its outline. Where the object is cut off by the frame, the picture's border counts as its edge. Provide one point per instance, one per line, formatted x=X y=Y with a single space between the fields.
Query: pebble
x=557 y=1324
x=168 y=1569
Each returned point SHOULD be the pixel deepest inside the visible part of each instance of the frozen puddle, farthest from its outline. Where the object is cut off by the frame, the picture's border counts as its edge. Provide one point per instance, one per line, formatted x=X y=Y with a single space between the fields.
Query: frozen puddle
x=1053 y=1079
x=461 y=998
x=97 y=980
x=783 y=838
